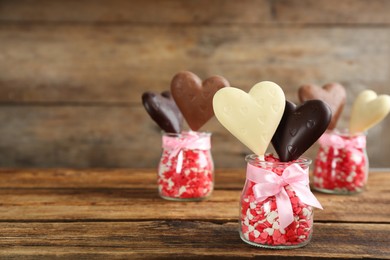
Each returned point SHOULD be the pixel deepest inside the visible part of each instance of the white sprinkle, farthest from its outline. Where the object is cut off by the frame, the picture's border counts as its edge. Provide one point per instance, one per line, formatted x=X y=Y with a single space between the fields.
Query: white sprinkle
x=306 y=212
x=275 y=225
x=248 y=214
x=356 y=158
x=162 y=169
x=182 y=190
x=256 y=233
x=252 y=205
x=246 y=222
x=270 y=231
x=170 y=183
x=246 y=235
x=251 y=228
x=271 y=216
x=267 y=208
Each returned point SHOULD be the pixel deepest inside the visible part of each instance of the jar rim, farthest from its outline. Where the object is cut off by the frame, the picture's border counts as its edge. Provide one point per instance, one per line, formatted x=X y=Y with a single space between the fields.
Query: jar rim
x=345 y=132
x=255 y=160
x=186 y=134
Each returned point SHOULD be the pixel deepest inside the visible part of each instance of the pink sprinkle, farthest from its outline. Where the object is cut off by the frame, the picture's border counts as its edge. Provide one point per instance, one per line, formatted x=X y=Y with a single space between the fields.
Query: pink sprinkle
x=301 y=226
x=340 y=170
x=194 y=180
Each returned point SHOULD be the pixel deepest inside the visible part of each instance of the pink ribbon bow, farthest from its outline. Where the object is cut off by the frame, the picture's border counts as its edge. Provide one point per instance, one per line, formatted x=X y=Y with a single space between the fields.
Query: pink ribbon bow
x=336 y=141
x=187 y=140
x=270 y=184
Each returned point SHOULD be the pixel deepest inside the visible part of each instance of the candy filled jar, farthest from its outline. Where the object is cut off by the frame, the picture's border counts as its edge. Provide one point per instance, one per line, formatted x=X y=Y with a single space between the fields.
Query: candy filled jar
x=186 y=168
x=341 y=165
x=276 y=205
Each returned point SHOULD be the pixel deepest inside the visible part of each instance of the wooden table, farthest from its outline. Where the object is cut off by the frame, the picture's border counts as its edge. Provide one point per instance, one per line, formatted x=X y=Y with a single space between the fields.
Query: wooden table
x=118 y=214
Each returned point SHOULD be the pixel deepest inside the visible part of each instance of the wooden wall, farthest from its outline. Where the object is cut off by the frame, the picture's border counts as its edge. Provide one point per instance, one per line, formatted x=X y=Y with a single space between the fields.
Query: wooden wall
x=72 y=72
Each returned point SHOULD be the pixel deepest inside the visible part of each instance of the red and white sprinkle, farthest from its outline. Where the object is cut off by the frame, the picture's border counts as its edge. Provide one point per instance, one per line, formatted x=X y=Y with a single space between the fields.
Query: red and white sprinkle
x=259 y=221
x=340 y=170
x=193 y=181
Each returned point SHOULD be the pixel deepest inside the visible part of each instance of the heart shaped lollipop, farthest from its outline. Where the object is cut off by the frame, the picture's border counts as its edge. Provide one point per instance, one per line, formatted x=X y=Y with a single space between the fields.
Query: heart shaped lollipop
x=163 y=110
x=368 y=110
x=194 y=97
x=332 y=94
x=251 y=117
x=300 y=128
x=278 y=135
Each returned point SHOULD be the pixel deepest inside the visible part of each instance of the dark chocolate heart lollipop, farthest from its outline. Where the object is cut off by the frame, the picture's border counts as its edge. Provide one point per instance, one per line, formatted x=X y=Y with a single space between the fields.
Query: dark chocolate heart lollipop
x=194 y=97
x=333 y=94
x=288 y=110
x=300 y=128
x=163 y=110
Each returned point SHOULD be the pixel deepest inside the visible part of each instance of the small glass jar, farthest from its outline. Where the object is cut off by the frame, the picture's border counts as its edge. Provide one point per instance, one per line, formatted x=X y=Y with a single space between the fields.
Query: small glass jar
x=341 y=166
x=186 y=169
x=260 y=222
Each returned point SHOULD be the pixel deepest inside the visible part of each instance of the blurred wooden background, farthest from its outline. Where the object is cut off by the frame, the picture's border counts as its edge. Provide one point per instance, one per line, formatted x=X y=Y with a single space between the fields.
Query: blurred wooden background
x=72 y=72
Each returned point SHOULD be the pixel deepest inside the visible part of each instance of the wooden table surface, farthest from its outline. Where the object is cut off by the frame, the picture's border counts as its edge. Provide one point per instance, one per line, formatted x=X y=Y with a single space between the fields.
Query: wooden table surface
x=118 y=214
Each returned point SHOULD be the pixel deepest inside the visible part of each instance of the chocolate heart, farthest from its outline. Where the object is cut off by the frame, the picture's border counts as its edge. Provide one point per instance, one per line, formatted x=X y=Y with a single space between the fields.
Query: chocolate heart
x=251 y=117
x=333 y=94
x=163 y=110
x=368 y=110
x=278 y=135
x=300 y=127
x=194 y=97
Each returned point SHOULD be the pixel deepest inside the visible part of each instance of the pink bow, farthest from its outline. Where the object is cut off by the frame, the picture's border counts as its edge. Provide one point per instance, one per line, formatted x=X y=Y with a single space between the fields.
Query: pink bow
x=336 y=141
x=187 y=140
x=270 y=184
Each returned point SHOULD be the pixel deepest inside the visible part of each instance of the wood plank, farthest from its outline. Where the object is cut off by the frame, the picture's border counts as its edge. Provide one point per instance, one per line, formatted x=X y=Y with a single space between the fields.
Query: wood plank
x=107 y=136
x=168 y=239
x=350 y=12
x=329 y=12
x=116 y=64
x=225 y=179
x=137 y=11
x=124 y=203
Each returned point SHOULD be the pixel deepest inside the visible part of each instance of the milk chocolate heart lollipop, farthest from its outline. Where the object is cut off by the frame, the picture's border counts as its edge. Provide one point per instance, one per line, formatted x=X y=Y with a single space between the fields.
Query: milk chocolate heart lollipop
x=333 y=94
x=194 y=97
x=251 y=117
x=368 y=110
x=163 y=110
x=300 y=127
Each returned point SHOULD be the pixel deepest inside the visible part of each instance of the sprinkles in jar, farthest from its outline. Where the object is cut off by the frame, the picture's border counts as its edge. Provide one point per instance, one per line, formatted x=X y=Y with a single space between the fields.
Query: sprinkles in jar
x=276 y=206
x=186 y=169
x=341 y=166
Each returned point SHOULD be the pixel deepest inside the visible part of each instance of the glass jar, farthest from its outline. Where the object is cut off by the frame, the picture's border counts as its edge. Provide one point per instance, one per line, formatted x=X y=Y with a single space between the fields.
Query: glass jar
x=276 y=206
x=186 y=169
x=341 y=166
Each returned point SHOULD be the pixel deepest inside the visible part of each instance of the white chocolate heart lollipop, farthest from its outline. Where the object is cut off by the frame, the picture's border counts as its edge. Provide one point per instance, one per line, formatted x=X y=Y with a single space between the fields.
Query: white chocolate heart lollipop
x=251 y=117
x=368 y=110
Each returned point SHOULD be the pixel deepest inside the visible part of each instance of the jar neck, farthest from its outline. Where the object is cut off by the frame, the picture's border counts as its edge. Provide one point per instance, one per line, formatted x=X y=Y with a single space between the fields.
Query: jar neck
x=186 y=140
x=344 y=133
x=343 y=140
x=256 y=161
